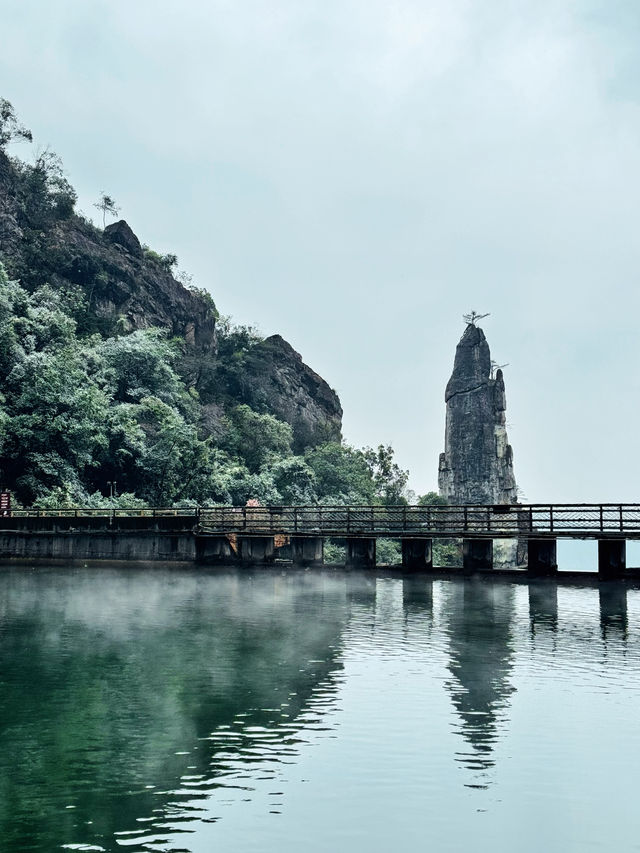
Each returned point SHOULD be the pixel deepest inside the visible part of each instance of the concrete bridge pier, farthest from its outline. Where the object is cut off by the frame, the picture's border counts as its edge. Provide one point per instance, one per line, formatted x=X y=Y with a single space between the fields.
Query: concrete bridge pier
x=417 y=554
x=256 y=549
x=542 y=557
x=306 y=550
x=612 y=558
x=361 y=553
x=213 y=549
x=477 y=554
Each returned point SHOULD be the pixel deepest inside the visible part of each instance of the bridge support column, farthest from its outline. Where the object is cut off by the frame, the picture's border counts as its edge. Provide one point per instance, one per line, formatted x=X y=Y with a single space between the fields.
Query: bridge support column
x=477 y=554
x=213 y=549
x=416 y=554
x=361 y=553
x=542 y=557
x=256 y=549
x=612 y=558
x=306 y=550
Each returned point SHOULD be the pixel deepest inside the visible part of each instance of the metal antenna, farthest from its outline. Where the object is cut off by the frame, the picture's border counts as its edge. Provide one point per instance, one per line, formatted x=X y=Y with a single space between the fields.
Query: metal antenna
x=495 y=367
x=471 y=318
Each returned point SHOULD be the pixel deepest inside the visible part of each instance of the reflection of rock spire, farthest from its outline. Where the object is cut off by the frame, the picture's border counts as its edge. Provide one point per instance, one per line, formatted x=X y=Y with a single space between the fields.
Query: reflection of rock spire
x=479 y=628
x=477 y=464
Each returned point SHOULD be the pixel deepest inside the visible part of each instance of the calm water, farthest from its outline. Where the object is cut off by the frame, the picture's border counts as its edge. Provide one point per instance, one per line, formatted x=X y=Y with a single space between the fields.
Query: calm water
x=261 y=711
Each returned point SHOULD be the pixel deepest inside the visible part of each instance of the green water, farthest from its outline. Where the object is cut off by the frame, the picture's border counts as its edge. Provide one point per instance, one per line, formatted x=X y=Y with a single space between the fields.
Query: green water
x=264 y=711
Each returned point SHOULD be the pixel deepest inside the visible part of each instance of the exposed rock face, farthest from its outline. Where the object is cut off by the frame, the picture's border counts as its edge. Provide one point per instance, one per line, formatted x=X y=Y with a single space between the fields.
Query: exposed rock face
x=121 y=234
x=278 y=380
x=125 y=289
x=133 y=291
x=477 y=464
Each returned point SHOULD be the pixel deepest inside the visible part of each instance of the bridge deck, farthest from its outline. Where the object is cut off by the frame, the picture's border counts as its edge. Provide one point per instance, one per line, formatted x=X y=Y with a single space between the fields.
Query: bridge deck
x=568 y=521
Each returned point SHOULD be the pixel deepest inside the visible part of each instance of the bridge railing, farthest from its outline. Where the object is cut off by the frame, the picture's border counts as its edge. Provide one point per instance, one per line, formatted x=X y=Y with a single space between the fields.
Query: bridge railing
x=107 y=512
x=571 y=520
x=568 y=520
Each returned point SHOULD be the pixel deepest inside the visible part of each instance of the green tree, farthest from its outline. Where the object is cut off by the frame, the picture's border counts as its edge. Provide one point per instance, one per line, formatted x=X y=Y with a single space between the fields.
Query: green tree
x=106 y=205
x=431 y=499
x=50 y=185
x=56 y=425
x=341 y=473
x=10 y=128
x=389 y=480
x=141 y=364
x=172 y=460
x=257 y=439
x=294 y=480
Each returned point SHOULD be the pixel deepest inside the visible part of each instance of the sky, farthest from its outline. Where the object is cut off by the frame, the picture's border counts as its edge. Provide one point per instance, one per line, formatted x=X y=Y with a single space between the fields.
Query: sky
x=358 y=175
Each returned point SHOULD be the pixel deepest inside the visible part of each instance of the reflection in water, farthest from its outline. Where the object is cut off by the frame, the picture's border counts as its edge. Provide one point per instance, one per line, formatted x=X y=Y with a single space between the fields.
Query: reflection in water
x=361 y=589
x=613 y=609
x=137 y=708
x=543 y=605
x=140 y=683
x=417 y=594
x=479 y=631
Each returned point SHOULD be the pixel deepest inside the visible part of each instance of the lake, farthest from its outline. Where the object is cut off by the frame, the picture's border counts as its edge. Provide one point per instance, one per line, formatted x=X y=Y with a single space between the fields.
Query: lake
x=175 y=710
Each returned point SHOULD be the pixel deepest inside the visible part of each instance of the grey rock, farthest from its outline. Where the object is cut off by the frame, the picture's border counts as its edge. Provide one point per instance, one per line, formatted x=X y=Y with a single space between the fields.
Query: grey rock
x=477 y=464
x=278 y=380
x=121 y=234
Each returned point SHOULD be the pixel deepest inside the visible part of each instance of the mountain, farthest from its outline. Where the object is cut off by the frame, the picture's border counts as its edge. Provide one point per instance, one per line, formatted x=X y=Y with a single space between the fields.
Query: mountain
x=129 y=287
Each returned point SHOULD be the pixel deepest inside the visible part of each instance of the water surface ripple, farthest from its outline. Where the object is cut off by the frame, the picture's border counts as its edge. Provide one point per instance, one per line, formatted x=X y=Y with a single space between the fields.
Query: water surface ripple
x=157 y=710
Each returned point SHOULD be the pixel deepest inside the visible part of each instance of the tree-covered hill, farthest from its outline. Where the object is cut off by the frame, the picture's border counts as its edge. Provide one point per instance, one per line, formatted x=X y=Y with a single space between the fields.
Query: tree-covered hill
x=114 y=371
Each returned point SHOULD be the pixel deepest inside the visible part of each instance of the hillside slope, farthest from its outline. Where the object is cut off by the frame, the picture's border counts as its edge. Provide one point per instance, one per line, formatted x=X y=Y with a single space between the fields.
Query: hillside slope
x=127 y=287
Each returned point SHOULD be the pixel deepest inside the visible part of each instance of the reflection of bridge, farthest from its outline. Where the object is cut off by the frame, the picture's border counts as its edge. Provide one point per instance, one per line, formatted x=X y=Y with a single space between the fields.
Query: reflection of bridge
x=253 y=534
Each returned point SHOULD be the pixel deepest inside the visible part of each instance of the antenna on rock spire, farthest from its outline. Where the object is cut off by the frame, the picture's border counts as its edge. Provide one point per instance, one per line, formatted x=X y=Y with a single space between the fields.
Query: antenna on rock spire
x=471 y=318
x=495 y=367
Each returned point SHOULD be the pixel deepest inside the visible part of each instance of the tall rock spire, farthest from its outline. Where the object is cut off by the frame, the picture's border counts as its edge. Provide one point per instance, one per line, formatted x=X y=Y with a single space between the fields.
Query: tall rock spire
x=477 y=464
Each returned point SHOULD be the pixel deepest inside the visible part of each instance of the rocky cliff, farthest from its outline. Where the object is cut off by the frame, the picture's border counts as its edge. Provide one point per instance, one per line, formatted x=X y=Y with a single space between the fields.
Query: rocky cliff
x=126 y=286
x=278 y=380
x=477 y=464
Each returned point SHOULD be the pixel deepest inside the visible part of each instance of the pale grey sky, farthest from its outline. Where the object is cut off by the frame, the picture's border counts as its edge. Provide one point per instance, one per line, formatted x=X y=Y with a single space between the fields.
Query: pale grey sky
x=357 y=175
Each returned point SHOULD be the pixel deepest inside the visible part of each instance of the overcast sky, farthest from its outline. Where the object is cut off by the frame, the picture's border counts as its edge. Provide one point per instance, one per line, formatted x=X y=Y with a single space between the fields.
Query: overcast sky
x=357 y=175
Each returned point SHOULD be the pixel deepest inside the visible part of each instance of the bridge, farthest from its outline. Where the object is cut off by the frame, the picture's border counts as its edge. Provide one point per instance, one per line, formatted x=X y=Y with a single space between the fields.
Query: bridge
x=260 y=534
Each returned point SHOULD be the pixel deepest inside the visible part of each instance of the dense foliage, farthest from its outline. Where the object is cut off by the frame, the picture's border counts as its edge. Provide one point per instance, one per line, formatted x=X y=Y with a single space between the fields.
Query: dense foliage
x=80 y=411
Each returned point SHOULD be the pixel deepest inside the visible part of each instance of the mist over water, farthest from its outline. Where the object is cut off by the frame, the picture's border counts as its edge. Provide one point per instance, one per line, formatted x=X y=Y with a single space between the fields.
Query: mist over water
x=262 y=710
